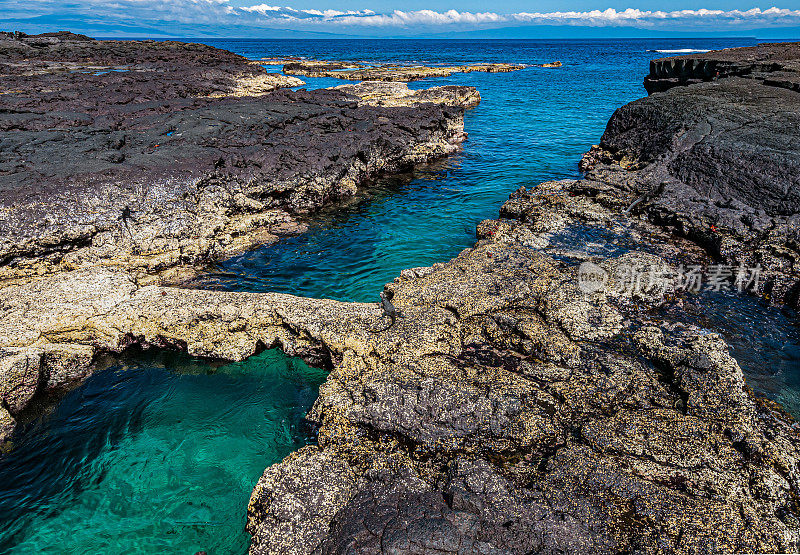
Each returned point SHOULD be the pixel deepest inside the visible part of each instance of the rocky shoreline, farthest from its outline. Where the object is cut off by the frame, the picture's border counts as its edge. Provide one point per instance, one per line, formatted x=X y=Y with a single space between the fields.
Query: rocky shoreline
x=177 y=160
x=168 y=167
x=717 y=161
x=774 y=64
x=509 y=408
x=356 y=71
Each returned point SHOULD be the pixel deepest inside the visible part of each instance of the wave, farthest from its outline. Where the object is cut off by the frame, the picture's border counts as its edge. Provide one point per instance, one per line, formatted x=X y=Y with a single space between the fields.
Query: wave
x=679 y=51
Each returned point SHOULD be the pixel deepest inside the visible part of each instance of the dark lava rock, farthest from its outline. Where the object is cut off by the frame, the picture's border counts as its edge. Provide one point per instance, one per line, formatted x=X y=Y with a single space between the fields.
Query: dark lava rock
x=778 y=63
x=718 y=160
x=155 y=154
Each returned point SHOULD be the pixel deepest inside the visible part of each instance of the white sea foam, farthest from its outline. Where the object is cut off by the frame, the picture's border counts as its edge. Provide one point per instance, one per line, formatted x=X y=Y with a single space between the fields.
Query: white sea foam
x=680 y=51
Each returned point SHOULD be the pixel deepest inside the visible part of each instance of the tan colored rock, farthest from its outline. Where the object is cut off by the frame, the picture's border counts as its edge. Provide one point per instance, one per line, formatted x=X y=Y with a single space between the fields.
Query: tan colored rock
x=385 y=93
x=259 y=84
x=322 y=476
x=387 y=72
x=547 y=432
x=505 y=398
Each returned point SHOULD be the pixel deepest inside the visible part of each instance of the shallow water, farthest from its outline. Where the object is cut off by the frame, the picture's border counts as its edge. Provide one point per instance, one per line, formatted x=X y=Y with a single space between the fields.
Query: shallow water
x=160 y=454
x=156 y=454
x=764 y=340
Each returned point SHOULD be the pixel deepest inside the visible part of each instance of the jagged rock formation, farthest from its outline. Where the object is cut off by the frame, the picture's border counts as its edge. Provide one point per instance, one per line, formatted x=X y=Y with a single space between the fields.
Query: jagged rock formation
x=508 y=410
x=110 y=182
x=721 y=159
x=511 y=412
x=55 y=327
x=775 y=64
x=149 y=169
x=355 y=71
x=514 y=411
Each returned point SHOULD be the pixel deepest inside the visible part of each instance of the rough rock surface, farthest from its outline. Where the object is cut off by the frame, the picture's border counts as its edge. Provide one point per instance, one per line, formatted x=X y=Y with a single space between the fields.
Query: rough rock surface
x=507 y=411
x=354 y=71
x=385 y=93
x=149 y=70
x=718 y=162
x=512 y=411
x=776 y=64
x=148 y=168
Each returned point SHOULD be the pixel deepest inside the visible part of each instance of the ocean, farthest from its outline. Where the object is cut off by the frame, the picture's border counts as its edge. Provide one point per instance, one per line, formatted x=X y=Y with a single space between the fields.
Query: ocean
x=159 y=453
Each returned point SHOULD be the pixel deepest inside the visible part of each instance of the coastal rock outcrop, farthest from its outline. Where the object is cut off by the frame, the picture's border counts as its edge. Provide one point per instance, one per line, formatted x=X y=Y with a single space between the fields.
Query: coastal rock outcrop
x=776 y=64
x=156 y=170
x=69 y=64
x=356 y=71
x=718 y=162
x=528 y=399
x=386 y=93
x=510 y=411
x=516 y=410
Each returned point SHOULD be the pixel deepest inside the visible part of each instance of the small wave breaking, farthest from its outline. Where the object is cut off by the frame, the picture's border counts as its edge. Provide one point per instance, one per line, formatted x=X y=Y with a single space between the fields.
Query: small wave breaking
x=679 y=51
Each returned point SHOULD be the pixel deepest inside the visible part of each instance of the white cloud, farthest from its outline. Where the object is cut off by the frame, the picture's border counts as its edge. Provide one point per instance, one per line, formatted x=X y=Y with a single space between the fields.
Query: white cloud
x=330 y=14
x=609 y=17
x=264 y=16
x=261 y=8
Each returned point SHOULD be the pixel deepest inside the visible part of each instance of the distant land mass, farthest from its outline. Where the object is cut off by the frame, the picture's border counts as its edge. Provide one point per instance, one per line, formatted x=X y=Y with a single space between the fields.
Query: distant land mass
x=161 y=29
x=175 y=29
x=572 y=32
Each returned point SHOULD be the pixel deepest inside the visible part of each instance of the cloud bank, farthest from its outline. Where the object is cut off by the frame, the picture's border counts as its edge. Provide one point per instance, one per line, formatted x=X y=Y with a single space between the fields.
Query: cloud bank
x=219 y=13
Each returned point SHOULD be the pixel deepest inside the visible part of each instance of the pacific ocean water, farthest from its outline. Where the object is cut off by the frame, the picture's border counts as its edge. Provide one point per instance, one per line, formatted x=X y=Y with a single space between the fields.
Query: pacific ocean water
x=159 y=452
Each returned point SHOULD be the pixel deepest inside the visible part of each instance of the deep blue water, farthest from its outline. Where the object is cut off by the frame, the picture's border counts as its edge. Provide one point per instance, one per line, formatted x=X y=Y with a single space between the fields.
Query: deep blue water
x=160 y=454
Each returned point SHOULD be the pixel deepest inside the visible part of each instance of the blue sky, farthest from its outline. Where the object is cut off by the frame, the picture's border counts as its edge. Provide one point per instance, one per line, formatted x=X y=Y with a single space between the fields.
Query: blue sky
x=383 y=18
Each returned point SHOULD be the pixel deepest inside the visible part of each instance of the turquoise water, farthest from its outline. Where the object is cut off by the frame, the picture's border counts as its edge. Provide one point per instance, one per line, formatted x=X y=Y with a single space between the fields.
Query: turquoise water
x=156 y=454
x=159 y=454
x=532 y=125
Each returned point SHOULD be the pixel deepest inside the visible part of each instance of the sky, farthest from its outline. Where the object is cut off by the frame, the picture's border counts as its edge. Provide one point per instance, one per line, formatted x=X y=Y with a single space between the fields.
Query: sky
x=404 y=18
